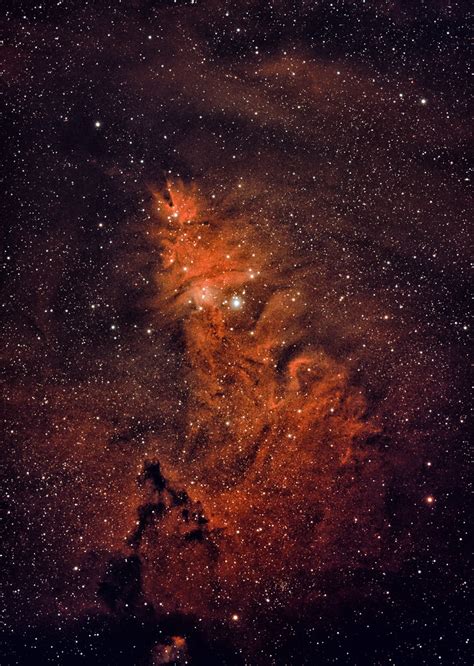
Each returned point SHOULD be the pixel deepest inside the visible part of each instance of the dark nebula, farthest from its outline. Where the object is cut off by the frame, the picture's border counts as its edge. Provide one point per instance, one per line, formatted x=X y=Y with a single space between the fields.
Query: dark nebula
x=235 y=305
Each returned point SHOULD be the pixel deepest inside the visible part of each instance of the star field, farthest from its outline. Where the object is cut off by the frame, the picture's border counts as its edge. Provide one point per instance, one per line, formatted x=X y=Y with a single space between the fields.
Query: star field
x=235 y=333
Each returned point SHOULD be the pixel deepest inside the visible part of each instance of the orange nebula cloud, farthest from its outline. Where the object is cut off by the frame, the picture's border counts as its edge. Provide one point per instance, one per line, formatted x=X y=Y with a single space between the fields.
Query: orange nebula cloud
x=275 y=429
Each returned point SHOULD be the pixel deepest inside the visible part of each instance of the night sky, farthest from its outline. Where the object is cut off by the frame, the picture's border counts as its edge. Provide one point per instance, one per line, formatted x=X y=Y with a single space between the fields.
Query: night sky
x=235 y=333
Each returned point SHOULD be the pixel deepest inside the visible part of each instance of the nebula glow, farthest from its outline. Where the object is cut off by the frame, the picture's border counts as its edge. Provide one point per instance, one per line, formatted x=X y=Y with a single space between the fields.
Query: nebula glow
x=275 y=446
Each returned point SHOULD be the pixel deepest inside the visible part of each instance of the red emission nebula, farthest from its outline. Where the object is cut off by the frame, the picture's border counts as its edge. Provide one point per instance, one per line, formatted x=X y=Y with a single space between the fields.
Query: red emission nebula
x=275 y=433
x=235 y=334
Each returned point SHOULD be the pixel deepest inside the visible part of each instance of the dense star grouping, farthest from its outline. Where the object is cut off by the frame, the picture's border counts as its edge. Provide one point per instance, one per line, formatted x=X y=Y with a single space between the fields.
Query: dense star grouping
x=235 y=331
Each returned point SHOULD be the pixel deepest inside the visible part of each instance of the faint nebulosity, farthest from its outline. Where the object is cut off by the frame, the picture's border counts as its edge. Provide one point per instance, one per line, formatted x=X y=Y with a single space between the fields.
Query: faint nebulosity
x=235 y=333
